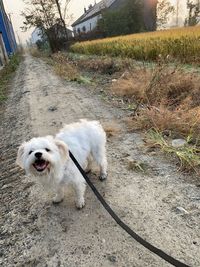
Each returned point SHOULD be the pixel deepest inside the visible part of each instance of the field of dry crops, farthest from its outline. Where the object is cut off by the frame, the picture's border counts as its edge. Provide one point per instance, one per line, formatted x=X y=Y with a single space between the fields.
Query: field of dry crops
x=182 y=44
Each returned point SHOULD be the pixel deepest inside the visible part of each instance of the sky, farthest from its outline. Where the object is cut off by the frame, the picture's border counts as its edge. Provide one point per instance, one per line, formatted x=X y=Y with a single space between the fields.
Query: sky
x=15 y=7
x=76 y=7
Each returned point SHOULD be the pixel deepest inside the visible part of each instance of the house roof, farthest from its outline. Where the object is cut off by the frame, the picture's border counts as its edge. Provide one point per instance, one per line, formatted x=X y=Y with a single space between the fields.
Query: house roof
x=94 y=10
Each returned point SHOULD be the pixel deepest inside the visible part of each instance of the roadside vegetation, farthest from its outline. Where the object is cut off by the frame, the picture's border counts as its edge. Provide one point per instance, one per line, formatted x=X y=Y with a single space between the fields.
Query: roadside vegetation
x=187 y=155
x=161 y=97
x=6 y=74
x=164 y=101
x=181 y=44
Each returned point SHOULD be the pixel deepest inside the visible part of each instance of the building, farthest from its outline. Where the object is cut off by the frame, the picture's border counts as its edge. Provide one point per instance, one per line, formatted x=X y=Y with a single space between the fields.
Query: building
x=56 y=30
x=88 y=21
x=7 y=31
x=36 y=36
x=60 y=32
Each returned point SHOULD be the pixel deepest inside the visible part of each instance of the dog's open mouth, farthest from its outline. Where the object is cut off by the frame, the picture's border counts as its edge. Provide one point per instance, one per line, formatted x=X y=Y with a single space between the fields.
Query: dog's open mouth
x=40 y=165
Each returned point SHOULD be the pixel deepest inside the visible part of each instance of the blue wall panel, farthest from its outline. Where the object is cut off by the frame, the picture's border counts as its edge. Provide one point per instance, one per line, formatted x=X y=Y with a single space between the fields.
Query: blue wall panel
x=4 y=34
x=7 y=31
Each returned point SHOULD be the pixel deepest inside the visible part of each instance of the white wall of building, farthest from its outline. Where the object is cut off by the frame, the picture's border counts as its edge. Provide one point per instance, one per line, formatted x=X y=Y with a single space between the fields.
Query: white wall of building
x=35 y=36
x=89 y=24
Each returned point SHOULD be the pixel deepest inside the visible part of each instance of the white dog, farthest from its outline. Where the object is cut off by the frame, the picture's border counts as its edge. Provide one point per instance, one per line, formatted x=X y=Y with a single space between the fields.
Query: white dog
x=48 y=158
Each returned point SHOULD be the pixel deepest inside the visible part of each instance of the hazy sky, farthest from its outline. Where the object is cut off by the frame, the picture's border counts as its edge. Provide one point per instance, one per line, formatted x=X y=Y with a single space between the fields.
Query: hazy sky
x=14 y=7
x=76 y=7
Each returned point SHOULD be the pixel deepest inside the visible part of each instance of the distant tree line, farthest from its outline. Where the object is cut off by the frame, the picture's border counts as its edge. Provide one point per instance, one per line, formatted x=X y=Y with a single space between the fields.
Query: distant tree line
x=130 y=18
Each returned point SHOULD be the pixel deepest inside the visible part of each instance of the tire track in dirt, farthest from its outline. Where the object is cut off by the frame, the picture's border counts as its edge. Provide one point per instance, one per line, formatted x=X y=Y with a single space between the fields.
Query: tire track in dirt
x=36 y=233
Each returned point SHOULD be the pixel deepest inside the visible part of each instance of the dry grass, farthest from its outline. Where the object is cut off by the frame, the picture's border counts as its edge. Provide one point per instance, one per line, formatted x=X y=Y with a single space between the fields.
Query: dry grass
x=171 y=85
x=132 y=84
x=177 y=123
x=137 y=165
x=169 y=97
x=39 y=53
x=111 y=128
x=60 y=64
x=64 y=69
x=101 y=65
x=35 y=52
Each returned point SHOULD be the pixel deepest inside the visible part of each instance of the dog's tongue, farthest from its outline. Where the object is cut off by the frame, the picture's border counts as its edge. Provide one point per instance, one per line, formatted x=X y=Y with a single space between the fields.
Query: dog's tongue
x=40 y=165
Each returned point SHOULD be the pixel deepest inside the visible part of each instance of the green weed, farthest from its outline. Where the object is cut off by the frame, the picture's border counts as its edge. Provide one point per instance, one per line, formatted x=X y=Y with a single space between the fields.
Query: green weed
x=6 y=74
x=188 y=155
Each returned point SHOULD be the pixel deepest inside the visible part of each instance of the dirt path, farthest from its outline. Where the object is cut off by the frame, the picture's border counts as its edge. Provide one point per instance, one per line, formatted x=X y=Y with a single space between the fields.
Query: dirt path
x=36 y=233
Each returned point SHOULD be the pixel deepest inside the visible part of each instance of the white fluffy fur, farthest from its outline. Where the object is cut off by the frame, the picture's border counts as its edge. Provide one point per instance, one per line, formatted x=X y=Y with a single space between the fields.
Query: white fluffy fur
x=85 y=139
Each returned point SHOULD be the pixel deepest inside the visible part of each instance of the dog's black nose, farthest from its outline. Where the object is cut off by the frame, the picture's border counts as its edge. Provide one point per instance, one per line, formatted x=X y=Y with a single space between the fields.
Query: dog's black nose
x=38 y=155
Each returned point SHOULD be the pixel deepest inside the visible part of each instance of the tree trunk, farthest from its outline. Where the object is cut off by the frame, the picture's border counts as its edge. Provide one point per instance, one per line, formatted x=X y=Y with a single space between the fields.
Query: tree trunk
x=62 y=20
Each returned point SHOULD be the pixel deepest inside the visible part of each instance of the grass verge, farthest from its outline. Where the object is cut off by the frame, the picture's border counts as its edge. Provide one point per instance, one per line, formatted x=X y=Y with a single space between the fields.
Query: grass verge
x=6 y=74
x=62 y=66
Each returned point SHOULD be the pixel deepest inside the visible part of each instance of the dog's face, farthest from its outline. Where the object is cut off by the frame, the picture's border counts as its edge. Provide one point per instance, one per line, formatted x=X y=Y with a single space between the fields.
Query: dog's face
x=42 y=155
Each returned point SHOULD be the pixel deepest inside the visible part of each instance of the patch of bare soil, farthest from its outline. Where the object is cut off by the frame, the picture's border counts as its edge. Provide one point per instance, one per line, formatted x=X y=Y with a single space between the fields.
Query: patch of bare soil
x=160 y=204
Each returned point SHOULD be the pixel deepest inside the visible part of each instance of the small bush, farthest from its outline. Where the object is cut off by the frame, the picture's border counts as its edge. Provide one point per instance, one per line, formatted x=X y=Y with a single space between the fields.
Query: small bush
x=63 y=68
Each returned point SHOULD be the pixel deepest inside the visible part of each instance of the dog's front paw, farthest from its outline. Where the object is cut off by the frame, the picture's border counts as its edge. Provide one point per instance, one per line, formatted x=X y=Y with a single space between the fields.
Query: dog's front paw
x=103 y=176
x=80 y=203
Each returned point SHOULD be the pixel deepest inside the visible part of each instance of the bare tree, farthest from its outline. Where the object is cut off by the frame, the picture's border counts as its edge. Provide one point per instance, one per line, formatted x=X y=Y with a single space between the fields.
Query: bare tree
x=164 y=10
x=177 y=12
x=193 y=13
x=45 y=15
x=61 y=17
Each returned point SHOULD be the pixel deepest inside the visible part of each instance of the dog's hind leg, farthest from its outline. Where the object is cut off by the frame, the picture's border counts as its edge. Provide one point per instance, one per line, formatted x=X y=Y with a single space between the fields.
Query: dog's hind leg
x=103 y=168
x=99 y=155
x=89 y=164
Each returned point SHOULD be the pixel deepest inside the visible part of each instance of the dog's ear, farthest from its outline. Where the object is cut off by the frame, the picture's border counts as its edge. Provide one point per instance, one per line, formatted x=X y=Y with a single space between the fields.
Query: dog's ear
x=20 y=153
x=63 y=149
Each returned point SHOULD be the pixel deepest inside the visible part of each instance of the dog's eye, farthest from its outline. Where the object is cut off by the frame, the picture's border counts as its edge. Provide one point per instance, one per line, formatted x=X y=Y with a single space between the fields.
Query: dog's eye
x=47 y=150
x=30 y=152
